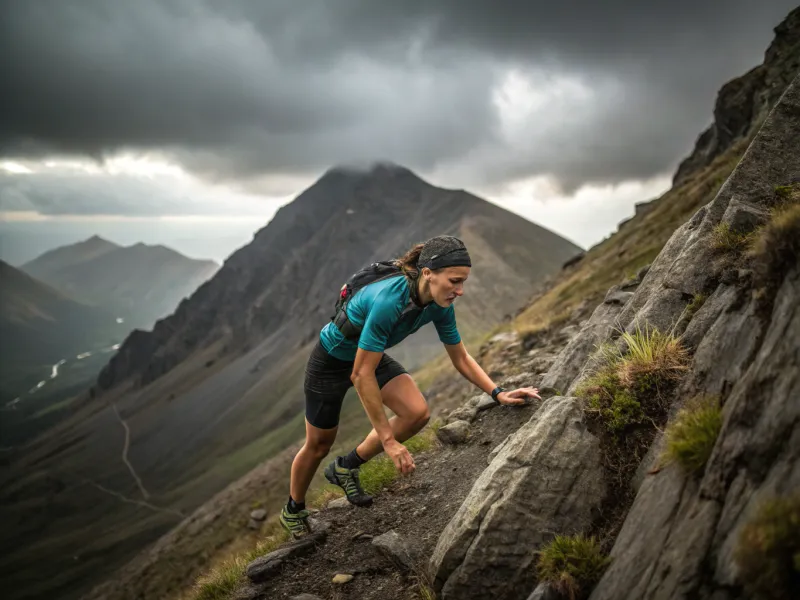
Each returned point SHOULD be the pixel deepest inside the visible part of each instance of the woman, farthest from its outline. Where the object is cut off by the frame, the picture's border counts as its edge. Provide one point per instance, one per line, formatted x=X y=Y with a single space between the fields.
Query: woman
x=383 y=313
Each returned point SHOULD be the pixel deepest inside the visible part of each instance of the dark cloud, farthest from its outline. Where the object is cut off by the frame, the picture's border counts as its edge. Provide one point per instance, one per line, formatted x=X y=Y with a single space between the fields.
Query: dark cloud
x=243 y=89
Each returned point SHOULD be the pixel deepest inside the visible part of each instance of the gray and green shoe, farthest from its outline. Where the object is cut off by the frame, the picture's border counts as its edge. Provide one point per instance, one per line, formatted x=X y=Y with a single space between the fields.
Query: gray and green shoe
x=295 y=523
x=347 y=479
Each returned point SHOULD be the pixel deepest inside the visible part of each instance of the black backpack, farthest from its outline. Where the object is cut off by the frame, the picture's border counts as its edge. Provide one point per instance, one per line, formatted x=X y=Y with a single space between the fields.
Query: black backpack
x=377 y=271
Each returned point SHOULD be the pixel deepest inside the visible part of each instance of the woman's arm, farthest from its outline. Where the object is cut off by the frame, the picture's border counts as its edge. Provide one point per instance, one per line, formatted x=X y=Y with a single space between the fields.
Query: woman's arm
x=366 y=384
x=474 y=373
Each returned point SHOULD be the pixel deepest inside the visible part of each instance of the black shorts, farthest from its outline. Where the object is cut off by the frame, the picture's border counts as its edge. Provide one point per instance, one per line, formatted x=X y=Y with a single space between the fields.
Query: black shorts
x=327 y=381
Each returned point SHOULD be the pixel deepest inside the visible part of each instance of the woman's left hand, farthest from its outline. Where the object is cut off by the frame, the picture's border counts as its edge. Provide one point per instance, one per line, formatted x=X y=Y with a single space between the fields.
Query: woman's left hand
x=518 y=396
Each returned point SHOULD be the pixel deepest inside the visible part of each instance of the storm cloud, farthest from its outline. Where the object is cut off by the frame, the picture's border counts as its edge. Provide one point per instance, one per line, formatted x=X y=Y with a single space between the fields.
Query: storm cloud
x=481 y=92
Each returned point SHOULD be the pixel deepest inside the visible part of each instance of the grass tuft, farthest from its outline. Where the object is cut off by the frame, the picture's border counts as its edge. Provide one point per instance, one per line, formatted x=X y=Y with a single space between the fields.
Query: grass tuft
x=691 y=437
x=221 y=582
x=768 y=550
x=723 y=238
x=696 y=304
x=629 y=385
x=776 y=248
x=571 y=564
x=652 y=357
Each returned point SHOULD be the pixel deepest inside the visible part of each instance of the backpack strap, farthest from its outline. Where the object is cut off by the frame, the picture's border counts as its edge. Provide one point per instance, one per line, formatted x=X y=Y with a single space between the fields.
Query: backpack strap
x=340 y=319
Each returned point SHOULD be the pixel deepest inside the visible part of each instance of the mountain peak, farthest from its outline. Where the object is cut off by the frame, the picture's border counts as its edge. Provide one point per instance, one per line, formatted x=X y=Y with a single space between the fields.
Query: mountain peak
x=371 y=168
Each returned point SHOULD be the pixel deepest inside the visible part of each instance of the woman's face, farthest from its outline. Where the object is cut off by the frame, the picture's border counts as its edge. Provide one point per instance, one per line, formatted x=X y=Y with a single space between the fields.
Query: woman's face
x=446 y=284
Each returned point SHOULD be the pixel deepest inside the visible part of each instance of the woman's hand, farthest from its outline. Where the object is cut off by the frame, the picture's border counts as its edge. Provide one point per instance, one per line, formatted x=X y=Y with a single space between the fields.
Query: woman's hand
x=400 y=456
x=518 y=396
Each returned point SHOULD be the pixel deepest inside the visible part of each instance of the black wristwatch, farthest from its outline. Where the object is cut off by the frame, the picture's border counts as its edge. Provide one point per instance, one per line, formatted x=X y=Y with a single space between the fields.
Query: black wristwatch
x=495 y=392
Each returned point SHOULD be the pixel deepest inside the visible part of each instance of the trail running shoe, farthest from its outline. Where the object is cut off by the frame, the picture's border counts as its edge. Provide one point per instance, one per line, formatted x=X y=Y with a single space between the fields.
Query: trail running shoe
x=295 y=523
x=347 y=479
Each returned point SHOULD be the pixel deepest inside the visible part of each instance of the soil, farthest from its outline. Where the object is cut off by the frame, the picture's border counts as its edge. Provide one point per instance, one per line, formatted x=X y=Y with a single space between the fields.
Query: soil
x=418 y=507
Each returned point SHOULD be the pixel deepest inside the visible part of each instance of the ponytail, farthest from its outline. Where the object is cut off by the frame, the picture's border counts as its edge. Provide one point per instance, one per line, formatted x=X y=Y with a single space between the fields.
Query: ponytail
x=408 y=262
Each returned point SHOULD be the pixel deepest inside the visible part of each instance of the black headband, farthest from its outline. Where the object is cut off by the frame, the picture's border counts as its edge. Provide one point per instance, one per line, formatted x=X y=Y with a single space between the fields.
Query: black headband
x=458 y=257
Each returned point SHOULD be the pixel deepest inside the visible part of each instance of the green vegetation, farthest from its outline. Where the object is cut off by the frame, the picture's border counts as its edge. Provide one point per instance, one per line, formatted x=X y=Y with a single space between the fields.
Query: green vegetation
x=379 y=472
x=768 y=549
x=222 y=580
x=628 y=387
x=696 y=304
x=691 y=437
x=776 y=247
x=571 y=564
x=727 y=240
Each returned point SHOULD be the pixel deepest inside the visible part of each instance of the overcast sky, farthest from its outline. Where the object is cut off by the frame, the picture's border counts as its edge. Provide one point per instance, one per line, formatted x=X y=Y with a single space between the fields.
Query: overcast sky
x=564 y=112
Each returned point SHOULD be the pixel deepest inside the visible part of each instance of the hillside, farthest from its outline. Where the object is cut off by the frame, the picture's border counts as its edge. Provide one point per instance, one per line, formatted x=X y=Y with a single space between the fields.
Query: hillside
x=634 y=276
x=40 y=326
x=139 y=284
x=216 y=388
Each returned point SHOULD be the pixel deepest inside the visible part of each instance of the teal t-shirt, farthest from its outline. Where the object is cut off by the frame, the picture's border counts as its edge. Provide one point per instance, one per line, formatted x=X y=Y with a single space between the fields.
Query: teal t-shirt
x=378 y=308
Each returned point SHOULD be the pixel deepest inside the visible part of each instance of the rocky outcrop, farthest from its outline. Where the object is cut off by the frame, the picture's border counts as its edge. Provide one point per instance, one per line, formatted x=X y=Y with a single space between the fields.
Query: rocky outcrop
x=546 y=477
x=743 y=103
x=679 y=537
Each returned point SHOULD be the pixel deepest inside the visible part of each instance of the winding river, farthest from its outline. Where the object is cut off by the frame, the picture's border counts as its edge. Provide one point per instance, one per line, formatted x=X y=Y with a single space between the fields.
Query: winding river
x=54 y=372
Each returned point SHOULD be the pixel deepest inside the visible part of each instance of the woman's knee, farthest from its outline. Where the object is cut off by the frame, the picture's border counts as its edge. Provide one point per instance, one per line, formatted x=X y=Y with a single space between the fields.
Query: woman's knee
x=421 y=416
x=319 y=448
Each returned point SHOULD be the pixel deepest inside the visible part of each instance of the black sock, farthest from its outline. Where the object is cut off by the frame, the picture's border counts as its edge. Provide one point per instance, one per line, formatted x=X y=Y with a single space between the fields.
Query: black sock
x=352 y=460
x=295 y=507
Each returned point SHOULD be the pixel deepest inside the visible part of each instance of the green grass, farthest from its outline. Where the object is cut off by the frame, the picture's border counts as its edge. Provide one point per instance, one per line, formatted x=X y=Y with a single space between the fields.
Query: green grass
x=776 y=247
x=222 y=580
x=691 y=437
x=628 y=386
x=571 y=564
x=723 y=238
x=379 y=472
x=768 y=550
x=696 y=304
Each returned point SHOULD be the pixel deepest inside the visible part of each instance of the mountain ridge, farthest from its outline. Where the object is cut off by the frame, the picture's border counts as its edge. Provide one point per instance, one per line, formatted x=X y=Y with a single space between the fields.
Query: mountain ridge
x=140 y=282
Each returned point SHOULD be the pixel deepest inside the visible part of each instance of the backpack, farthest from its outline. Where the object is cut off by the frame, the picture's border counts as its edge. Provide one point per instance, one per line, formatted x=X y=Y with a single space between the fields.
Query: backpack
x=377 y=271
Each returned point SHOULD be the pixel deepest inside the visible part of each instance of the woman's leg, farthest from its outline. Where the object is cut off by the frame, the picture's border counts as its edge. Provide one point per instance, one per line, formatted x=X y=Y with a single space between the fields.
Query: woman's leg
x=404 y=399
x=317 y=445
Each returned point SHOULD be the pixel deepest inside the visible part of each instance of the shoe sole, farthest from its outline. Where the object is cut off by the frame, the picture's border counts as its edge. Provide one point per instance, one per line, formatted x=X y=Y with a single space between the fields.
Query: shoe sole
x=330 y=475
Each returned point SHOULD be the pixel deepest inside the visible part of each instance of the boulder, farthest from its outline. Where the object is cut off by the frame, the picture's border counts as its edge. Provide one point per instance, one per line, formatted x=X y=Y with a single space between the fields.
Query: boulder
x=398 y=549
x=547 y=478
x=454 y=433
x=339 y=503
x=259 y=514
x=463 y=413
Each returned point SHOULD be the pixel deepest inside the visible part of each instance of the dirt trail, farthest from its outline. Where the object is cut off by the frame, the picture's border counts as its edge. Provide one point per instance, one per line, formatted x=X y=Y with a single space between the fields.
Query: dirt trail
x=416 y=507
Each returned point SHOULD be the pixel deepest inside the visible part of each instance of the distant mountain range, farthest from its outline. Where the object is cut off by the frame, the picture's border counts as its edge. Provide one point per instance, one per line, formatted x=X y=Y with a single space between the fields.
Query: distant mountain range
x=138 y=283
